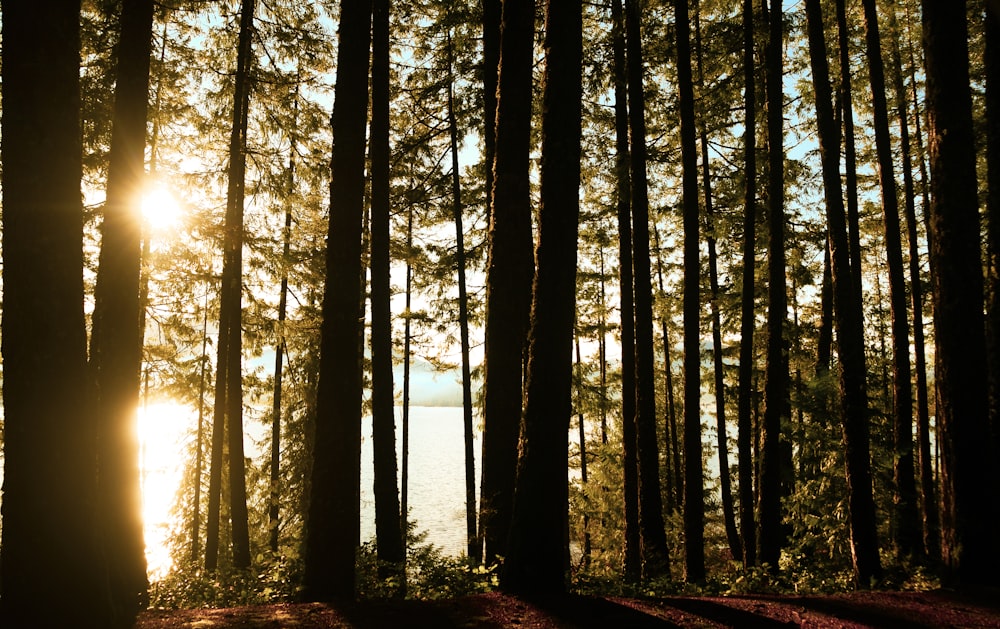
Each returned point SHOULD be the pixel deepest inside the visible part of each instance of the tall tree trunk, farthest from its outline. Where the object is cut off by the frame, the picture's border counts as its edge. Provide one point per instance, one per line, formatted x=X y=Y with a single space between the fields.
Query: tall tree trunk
x=583 y=450
x=199 y=460
x=333 y=519
x=967 y=457
x=776 y=401
x=726 y=487
x=849 y=324
x=928 y=487
x=675 y=472
x=748 y=528
x=508 y=276
x=906 y=522
x=474 y=547
x=50 y=521
x=630 y=473
x=388 y=536
x=404 y=482
x=116 y=339
x=229 y=385
x=537 y=556
x=694 y=501
x=655 y=558
x=850 y=154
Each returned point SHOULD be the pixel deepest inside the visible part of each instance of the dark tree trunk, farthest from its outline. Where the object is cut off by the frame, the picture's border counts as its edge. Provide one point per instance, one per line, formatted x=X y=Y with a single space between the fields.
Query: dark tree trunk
x=725 y=482
x=776 y=400
x=116 y=339
x=967 y=456
x=748 y=528
x=630 y=473
x=473 y=545
x=536 y=562
x=50 y=522
x=333 y=519
x=228 y=410
x=199 y=459
x=655 y=558
x=850 y=154
x=508 y=276
x=388 y=535
x=404 y=481
x=582 y=435
x=906 y=521
x=850 y=332
x=694 y=500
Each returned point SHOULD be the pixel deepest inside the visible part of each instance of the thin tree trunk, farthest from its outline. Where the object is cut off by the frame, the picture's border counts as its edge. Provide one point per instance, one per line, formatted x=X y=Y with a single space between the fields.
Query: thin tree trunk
x=199 y=463
x=583 y=450
x=333 y=519
x=728 y=509
x=850 y=332
x=474 y=547
x=538 y=550
x=776 y=402
x=850 y=154
x=748 y=528
x=630 y=473
x=655 y=558
x=405 y=472
x=508 y=276
x=906 y=519
x=694 y=501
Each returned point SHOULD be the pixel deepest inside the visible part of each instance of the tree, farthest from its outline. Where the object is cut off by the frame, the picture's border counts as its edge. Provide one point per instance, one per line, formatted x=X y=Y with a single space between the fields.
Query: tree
x=228 y=409
x=538 y=549
x=655 y=557
x=116 y=338
x=332 y=524
x=776 y=405
x=389 y=536
x=694 y=501
x=50 y=522
x=906 y=521
x=959 y=328
x=508 y=275
x=748 y=528
x=847 y=305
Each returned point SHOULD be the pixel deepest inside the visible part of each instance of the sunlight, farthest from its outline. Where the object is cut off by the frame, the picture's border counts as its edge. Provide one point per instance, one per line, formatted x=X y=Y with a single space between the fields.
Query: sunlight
x=160 y=208
x=163 y=429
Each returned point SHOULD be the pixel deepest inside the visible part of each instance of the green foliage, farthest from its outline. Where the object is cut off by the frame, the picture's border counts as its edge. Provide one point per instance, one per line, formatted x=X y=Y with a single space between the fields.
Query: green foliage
x=273 y=579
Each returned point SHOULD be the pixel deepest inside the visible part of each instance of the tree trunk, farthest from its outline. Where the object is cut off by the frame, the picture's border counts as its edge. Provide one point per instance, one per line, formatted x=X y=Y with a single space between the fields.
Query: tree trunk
x=748 y=528
x=582 y=435
x=229 y=385
x=536 y=562
x=850 y=332
x=474 y=548
x=116 y=339
x=388 y=536
x=404 y=482
x=694 y=501
x=906 y=522
x=655 y=558
x=967 y=457
x=630 y=473
x=508 y=276
x=50 y=521
x=850 y=157
x=199 y=461
x=333 y=519
x=776 y=401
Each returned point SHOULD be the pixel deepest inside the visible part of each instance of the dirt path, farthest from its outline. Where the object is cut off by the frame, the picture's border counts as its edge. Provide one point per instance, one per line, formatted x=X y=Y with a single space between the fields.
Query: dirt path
x=891 y=610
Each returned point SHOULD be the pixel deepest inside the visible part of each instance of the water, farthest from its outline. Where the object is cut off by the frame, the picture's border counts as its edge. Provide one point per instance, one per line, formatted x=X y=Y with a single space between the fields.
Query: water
x=436 y=475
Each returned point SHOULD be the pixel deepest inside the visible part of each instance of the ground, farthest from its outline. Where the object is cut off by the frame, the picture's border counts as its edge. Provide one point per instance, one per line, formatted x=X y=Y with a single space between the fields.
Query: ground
x=934 y=609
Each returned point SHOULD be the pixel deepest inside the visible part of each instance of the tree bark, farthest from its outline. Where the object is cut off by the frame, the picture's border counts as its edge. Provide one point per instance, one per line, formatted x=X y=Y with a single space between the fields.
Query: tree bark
x=967 y=457
x=536 y=562
x=333 y=519
x=116 y=338
x=508 y=276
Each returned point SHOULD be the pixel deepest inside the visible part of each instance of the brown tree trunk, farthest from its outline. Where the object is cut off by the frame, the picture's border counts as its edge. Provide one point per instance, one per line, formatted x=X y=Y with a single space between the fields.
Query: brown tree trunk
x=850 y=332
x=116 y=338
x=748 y=528
x=963 y=412
x=508 y=276
x=333 y=519
x=536 y=562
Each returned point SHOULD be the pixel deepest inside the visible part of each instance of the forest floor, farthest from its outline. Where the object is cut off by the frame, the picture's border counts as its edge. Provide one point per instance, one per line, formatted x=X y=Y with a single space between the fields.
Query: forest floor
x=931 y=609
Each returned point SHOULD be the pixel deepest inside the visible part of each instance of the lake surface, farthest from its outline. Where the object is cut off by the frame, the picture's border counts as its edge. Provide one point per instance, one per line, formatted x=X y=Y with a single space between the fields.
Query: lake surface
x=436 y=475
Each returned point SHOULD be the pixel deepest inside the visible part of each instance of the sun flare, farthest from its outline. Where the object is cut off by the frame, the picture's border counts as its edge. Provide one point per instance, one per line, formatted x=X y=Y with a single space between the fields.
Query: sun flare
x=160 y=208
x=164 y=428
